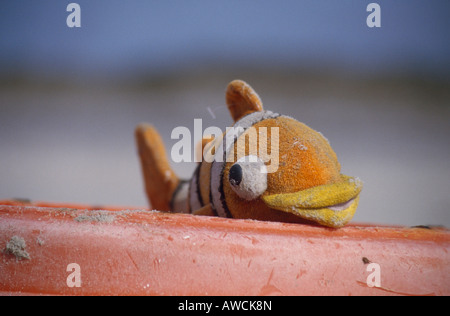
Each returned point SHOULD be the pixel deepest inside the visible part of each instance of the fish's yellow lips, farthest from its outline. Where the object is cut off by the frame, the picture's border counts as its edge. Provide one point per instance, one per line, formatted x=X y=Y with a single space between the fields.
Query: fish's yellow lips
x=331 y=205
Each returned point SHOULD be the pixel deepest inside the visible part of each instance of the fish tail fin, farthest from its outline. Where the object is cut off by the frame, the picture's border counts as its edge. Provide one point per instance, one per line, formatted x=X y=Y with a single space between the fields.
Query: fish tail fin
x=159 y=178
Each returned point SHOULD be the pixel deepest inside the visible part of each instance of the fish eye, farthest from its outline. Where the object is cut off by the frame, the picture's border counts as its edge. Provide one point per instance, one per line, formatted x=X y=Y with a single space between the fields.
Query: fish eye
x=248 y=177
x=235 y=175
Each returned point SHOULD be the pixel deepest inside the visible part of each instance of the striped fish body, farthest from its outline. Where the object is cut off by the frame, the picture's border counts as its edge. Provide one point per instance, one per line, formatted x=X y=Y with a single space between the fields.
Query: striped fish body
x=206 y=187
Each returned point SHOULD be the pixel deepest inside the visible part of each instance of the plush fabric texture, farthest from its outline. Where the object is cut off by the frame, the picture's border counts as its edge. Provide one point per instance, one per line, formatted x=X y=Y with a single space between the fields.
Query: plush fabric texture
x=252 y=176
x=300 y=182
x=242 y=99
x=308 y=178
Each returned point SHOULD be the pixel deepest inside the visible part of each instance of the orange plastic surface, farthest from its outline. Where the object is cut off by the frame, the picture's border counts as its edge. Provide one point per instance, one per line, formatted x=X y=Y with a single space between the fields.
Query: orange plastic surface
x=140 y=252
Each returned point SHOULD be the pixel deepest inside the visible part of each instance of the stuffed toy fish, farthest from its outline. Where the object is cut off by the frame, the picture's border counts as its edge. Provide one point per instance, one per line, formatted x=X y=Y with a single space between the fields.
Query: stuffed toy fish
x=236 y=178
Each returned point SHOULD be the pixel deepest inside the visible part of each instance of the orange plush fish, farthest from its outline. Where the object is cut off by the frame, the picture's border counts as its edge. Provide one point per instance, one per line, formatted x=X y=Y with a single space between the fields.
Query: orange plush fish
x=267 y=167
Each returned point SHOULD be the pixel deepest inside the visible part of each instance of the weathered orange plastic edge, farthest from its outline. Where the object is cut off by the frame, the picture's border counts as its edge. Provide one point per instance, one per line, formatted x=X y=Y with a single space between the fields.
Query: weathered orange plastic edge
x=140 y=252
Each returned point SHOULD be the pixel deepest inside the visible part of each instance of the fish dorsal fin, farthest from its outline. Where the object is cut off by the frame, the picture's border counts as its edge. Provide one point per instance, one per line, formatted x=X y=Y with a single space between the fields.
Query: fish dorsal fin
x=242 y=99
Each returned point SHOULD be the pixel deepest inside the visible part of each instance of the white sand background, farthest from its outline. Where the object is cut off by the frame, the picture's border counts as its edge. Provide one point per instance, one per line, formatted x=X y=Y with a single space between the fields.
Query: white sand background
x=74 y=142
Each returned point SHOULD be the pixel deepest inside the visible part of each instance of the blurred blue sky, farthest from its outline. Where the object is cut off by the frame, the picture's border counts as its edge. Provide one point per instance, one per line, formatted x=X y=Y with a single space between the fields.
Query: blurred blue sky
x=128 y=35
